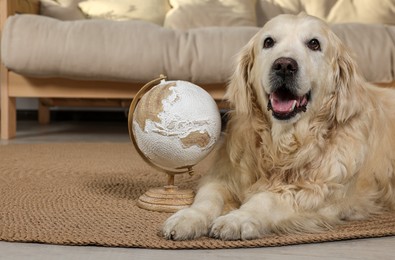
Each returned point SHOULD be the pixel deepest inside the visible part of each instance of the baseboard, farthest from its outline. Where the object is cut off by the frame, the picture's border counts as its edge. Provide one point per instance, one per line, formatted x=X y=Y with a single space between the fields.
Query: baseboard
x=73 y=115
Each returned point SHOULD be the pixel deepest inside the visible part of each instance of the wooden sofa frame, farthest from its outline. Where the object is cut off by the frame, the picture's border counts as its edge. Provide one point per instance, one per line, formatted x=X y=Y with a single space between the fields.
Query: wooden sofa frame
x=56 y=91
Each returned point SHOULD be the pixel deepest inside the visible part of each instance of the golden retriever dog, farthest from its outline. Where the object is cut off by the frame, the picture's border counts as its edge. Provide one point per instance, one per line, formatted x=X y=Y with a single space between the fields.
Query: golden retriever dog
x=309 y=143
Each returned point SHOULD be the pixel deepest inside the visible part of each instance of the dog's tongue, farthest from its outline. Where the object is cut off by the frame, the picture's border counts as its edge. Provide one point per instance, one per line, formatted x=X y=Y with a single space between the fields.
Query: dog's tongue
x=281 y=104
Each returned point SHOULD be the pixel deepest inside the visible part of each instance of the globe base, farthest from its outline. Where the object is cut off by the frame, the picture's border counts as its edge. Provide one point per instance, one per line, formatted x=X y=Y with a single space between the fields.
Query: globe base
x=167 y=199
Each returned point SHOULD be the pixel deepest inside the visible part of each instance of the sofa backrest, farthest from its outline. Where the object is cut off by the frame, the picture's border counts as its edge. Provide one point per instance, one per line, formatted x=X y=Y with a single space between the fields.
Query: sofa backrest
x=186 y=14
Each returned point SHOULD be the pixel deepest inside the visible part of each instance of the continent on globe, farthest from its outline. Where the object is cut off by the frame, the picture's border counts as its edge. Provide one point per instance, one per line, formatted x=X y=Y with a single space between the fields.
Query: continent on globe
x=176 y=124
x=151 y=104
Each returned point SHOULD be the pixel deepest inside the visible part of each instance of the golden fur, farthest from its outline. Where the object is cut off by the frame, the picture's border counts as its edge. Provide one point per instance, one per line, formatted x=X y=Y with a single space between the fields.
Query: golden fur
x=332 y=163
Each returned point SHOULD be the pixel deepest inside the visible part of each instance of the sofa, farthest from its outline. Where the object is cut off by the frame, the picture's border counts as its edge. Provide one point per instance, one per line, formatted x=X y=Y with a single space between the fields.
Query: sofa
x=101 y=52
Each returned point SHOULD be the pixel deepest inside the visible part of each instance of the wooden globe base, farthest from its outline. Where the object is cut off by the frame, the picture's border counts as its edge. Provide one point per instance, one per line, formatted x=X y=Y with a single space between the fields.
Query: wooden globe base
x=167 y=199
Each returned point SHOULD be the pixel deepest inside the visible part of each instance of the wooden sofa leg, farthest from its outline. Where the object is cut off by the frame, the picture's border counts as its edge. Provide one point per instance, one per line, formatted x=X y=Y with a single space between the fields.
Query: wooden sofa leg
x=44 y=115
x=8 y=117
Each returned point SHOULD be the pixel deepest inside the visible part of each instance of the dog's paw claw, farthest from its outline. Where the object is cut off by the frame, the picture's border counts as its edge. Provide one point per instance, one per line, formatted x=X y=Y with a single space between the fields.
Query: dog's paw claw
x=235 y=226
x=185 y=224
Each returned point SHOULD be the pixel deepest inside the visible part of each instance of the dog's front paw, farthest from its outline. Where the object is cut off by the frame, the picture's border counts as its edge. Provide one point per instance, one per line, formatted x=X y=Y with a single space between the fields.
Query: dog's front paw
x=235 y=226
x=186 y=224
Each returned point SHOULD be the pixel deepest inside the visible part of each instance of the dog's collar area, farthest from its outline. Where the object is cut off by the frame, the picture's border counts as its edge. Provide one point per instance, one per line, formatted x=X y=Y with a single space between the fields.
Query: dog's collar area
x=285 y=105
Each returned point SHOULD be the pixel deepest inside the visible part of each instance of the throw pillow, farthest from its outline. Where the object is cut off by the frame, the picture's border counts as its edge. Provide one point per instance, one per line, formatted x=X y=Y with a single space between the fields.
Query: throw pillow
x=333 y=11
x=61 y=9
x=187 y=14
x=119 y=10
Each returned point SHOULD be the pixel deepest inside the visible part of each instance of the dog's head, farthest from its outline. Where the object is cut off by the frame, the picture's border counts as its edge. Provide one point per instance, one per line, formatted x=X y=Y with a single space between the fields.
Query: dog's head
x=291 y=69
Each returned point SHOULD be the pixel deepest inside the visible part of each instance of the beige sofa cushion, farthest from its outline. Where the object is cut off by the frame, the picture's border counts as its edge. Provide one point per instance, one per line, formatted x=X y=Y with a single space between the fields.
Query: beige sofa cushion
x=138 y=51
x=133 y=51
x=373 y=47
x=333 y=11
x=62 y=9
x=119 y=10
x=187 y=14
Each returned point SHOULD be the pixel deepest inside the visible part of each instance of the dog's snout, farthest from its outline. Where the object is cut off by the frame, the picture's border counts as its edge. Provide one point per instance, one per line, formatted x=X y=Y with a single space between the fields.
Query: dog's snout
x=285 y=66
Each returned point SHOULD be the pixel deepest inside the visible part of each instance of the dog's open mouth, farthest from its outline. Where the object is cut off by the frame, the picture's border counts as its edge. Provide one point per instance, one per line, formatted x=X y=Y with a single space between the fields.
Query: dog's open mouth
x=285 y=105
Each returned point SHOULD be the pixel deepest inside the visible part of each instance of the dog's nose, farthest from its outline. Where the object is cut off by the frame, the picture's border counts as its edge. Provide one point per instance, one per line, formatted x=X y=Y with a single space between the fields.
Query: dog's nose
x=285 y=66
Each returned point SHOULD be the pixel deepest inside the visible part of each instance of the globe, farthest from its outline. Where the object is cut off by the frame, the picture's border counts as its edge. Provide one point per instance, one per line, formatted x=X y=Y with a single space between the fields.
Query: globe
x=176 y=124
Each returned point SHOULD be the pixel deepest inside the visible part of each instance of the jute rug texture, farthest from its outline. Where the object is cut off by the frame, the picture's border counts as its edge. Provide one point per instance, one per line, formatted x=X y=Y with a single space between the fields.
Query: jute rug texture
x=85 y=194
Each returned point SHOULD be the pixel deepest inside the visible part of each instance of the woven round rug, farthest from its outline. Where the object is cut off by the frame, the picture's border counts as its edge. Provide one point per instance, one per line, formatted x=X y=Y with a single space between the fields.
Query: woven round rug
x=85 y=194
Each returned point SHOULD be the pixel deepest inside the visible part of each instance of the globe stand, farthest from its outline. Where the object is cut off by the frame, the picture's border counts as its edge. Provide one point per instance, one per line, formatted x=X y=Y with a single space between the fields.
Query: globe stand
x=168 y=198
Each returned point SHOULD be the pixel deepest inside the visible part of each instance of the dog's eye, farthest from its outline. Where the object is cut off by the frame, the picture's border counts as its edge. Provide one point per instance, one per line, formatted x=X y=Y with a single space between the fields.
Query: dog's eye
x=314 y=45
x=268 y=43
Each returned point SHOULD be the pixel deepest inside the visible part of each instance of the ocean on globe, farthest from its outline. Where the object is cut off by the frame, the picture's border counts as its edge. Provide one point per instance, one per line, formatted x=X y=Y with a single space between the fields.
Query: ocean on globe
x=176 y=124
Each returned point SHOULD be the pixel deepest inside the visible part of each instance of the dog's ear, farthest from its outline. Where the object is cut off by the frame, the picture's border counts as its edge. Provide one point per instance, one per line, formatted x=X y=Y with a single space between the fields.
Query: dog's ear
x=240 y=92
x=348 y=82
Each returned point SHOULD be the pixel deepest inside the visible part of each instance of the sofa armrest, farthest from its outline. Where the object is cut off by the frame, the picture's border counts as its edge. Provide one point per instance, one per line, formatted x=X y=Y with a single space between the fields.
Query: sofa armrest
x=11 y=7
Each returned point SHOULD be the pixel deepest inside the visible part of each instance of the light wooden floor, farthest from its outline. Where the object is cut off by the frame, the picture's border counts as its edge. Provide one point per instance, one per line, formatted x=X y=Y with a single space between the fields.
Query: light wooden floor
x=32 y=132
